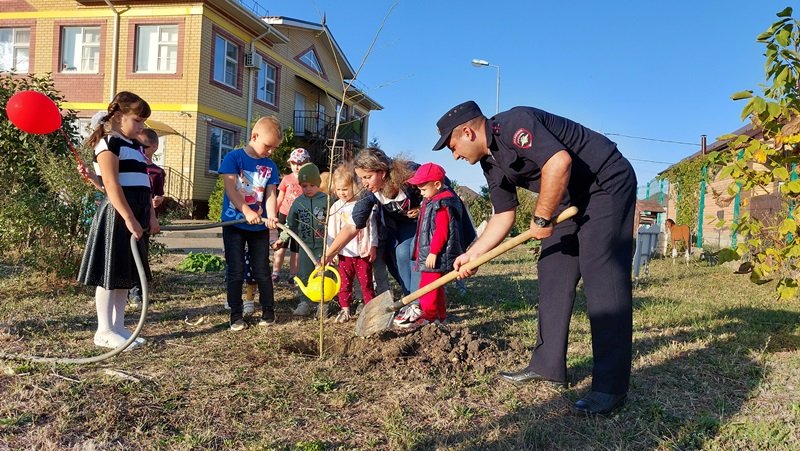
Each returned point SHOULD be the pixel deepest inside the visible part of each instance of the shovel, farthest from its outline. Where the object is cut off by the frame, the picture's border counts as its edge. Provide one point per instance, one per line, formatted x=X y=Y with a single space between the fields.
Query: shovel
x=378 y=314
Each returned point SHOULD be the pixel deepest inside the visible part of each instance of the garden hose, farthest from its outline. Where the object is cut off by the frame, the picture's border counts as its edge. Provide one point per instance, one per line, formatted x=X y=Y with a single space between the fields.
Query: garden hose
x=145 y=297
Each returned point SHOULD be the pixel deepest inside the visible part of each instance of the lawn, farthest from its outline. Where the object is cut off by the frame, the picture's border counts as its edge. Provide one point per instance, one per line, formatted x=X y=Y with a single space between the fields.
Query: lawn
x=716 y=366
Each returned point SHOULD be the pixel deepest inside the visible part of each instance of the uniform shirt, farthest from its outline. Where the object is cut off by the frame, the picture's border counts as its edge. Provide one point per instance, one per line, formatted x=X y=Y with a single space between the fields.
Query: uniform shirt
x=522 y=139
x=252 y=177
x=132 y=161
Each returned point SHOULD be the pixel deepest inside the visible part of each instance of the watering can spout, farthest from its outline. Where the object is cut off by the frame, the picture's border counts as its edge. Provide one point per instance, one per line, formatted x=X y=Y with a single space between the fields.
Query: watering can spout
x=320 y=288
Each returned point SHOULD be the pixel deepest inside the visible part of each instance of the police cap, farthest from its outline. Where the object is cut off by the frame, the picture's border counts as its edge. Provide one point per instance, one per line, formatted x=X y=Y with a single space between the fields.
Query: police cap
x=454 y=117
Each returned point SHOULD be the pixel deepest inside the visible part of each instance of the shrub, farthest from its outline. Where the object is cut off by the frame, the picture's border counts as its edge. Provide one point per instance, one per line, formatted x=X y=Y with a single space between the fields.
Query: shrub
x=44 y=200
x=201 y=262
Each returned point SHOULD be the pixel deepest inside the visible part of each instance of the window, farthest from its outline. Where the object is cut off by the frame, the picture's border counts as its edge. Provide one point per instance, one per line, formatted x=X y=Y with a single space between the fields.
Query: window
x=156 y=49
x=267 y=78
x=221 y=144
x=226 y=61
x=309 y=58
x=14 y=49
x=80 y=49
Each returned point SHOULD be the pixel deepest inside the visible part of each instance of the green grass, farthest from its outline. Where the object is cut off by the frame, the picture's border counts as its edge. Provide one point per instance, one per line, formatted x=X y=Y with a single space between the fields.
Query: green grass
x=716 y=366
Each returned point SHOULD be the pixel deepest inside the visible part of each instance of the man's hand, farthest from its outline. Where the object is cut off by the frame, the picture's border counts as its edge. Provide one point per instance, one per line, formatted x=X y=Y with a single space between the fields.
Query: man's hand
x=461 y=260
x=540 y=233
x=430 y=261
x=413 y=213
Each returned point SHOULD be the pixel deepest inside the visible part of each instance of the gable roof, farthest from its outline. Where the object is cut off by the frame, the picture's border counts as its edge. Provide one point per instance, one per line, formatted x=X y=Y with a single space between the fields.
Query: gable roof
x=280 y=21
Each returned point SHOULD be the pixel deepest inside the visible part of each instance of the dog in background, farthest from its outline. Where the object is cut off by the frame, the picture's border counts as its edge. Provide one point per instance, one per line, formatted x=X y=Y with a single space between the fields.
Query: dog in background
x=679 y=233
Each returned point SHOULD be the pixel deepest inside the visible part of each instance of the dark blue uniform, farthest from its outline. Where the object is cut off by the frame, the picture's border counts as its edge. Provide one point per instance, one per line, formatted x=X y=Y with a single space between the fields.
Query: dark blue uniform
x=595 y=245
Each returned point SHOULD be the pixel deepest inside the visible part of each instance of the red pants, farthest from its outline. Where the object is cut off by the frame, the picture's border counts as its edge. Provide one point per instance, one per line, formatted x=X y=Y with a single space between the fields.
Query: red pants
x=349 y=269
x=433 y=304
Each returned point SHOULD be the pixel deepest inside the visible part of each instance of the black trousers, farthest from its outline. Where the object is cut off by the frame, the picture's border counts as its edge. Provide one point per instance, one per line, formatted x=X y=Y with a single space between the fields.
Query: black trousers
x=597 y=246
x=234 y=240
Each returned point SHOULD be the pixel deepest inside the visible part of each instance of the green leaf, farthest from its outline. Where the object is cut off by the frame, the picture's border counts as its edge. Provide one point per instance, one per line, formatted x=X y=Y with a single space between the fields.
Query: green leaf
x=728 y=255
x=787 y=12
x=783 y=37
x=742 y=95
x=787 y=226
x=794 y=186
x=780 y=173
x=764 y=36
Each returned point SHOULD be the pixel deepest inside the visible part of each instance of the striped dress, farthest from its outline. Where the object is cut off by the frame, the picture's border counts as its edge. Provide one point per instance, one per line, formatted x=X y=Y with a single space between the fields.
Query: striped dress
x=108 y=260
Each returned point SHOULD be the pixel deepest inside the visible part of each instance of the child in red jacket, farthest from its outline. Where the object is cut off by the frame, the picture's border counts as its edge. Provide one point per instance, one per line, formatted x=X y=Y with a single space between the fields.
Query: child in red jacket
x=444 y=231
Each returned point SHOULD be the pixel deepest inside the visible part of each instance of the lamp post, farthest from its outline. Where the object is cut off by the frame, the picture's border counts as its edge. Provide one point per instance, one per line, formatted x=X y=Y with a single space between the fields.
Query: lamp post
x=484 y=63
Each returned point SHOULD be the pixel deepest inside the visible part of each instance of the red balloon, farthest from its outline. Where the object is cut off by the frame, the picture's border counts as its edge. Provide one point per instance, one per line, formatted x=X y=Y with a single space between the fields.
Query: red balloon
x=33 y=112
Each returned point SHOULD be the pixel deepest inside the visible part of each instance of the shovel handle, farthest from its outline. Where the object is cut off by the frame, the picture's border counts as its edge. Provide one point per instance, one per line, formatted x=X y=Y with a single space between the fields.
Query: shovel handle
x=501 y=249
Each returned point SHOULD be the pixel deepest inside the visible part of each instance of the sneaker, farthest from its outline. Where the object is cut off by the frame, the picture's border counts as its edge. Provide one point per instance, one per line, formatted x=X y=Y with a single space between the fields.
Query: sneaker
x=303 y=309
x=249 y=308
x=135 y=303
x=267 y=319
x=359 y=309
x=344 y=315
x=412 y=313
x=414 y=324
x=227 y=307
x=238 y=325
x=275 y=277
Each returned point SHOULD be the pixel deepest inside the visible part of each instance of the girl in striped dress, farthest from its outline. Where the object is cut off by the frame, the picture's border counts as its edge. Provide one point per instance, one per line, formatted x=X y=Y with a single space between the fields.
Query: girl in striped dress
x=126 y=210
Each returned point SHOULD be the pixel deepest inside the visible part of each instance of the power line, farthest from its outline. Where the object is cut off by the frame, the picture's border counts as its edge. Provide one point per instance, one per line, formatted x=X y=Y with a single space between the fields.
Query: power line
x=653 y=139
x=648 y=161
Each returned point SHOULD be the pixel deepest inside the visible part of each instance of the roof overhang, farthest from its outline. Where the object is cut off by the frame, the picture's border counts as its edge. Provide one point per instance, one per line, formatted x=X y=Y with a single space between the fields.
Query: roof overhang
x=281 y=21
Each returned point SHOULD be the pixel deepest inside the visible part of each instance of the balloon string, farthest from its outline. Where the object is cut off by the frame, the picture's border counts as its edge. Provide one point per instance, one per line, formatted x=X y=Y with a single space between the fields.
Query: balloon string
x=74 y=152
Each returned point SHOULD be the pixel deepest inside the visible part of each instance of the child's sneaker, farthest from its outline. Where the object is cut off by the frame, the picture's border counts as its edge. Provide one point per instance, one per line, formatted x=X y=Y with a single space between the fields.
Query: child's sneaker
x=408 y=314
x=414 y=324
x=303 y=309
x=344 y=315
x=267 y=319
x=227 y=307
x=238 y=325
x=275 y=277
x=249 y=308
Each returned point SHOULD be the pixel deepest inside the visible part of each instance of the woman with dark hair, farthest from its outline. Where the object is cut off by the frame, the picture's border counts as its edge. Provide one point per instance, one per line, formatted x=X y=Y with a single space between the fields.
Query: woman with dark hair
x=398 y=203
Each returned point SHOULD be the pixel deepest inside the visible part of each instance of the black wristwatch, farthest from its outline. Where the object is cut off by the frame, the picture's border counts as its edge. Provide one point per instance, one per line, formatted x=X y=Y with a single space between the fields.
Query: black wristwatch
x=541 y=222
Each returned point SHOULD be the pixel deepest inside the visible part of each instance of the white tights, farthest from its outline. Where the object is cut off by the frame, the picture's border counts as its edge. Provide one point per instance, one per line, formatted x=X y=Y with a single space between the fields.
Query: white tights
x=111 y=331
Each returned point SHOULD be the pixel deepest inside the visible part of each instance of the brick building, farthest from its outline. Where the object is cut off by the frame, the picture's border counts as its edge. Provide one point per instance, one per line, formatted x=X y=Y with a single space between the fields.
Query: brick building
x=208 y=68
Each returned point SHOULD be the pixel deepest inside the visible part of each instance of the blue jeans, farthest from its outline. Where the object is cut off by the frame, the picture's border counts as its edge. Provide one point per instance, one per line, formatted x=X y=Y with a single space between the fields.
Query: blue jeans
x=399 y=250
x=234 y=240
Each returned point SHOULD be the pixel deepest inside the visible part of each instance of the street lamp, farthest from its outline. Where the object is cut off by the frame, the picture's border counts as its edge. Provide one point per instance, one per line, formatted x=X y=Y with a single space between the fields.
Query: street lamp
x=484 y=63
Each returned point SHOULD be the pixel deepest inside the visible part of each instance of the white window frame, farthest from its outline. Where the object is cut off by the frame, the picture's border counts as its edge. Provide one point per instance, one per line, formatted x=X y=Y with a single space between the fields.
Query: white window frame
x=162 y=55
x=81 y=48
x=222 y=149
x=310 y=59
x=264 y=81
x=10 y=60
x=228 y=62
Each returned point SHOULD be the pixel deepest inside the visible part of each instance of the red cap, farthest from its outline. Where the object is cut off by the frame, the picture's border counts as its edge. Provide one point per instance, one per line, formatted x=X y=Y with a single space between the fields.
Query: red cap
x=428 y=172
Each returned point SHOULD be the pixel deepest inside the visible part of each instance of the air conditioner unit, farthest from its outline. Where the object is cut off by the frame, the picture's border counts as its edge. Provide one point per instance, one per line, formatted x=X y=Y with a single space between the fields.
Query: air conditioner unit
x=253 y=60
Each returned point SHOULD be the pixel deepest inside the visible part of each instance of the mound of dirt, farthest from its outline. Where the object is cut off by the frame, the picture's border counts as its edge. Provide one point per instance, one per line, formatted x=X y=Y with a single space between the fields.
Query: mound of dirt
x=445 y=349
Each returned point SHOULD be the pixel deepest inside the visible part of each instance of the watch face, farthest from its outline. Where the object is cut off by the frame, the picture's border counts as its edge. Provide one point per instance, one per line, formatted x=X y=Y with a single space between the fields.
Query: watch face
x=541 y=222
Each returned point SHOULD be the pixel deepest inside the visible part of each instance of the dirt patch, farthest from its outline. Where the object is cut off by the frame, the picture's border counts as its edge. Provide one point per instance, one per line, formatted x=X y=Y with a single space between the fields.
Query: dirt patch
x=445 y=349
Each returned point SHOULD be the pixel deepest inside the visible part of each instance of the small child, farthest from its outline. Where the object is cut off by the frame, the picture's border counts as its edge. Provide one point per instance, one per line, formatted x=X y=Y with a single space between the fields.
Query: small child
x=444 y=231
x=288 y=191
x=250 y=179
x=307 y=219
x=356 y=257
x=126 y=209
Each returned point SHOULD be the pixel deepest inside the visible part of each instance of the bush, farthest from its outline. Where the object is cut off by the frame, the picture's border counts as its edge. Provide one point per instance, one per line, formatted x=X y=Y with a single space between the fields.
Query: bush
x=44 y=200
x=215 y=201
x=201 y=263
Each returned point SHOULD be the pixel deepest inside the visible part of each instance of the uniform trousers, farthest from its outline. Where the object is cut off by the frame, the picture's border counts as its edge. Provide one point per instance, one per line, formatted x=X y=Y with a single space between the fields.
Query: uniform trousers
x=596 y=246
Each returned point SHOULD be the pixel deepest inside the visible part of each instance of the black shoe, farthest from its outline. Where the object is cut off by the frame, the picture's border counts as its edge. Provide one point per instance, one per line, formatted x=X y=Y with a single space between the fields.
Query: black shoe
x=596 y=403
x=526 y=375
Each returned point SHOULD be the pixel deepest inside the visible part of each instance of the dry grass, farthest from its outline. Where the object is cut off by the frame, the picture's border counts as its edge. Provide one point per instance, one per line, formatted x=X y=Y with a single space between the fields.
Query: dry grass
x=716 y=366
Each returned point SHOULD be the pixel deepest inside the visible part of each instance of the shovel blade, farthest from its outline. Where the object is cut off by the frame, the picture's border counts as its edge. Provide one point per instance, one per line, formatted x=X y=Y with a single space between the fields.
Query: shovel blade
x=377 y=315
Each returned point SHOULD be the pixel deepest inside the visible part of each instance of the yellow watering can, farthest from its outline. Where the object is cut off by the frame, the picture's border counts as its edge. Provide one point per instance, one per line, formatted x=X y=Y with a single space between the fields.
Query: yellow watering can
x=318 y=284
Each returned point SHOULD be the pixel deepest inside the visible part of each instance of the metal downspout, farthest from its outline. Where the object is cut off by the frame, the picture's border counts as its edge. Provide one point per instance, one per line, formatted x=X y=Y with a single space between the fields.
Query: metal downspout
x=114 y=52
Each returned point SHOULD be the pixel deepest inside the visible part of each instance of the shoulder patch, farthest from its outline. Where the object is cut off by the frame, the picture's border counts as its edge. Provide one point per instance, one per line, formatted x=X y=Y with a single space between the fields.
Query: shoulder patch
x=523 y=138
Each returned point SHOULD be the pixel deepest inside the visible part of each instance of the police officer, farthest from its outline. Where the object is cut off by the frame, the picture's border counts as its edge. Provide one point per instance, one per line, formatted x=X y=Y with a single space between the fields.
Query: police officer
x=567 y=164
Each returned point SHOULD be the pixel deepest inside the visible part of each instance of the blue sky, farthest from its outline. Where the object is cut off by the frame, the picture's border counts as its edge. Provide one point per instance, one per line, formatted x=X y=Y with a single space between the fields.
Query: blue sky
x=659 y=70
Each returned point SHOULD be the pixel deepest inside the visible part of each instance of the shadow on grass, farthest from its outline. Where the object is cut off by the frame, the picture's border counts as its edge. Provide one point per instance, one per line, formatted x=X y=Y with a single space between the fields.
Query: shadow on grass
x=685 y=386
